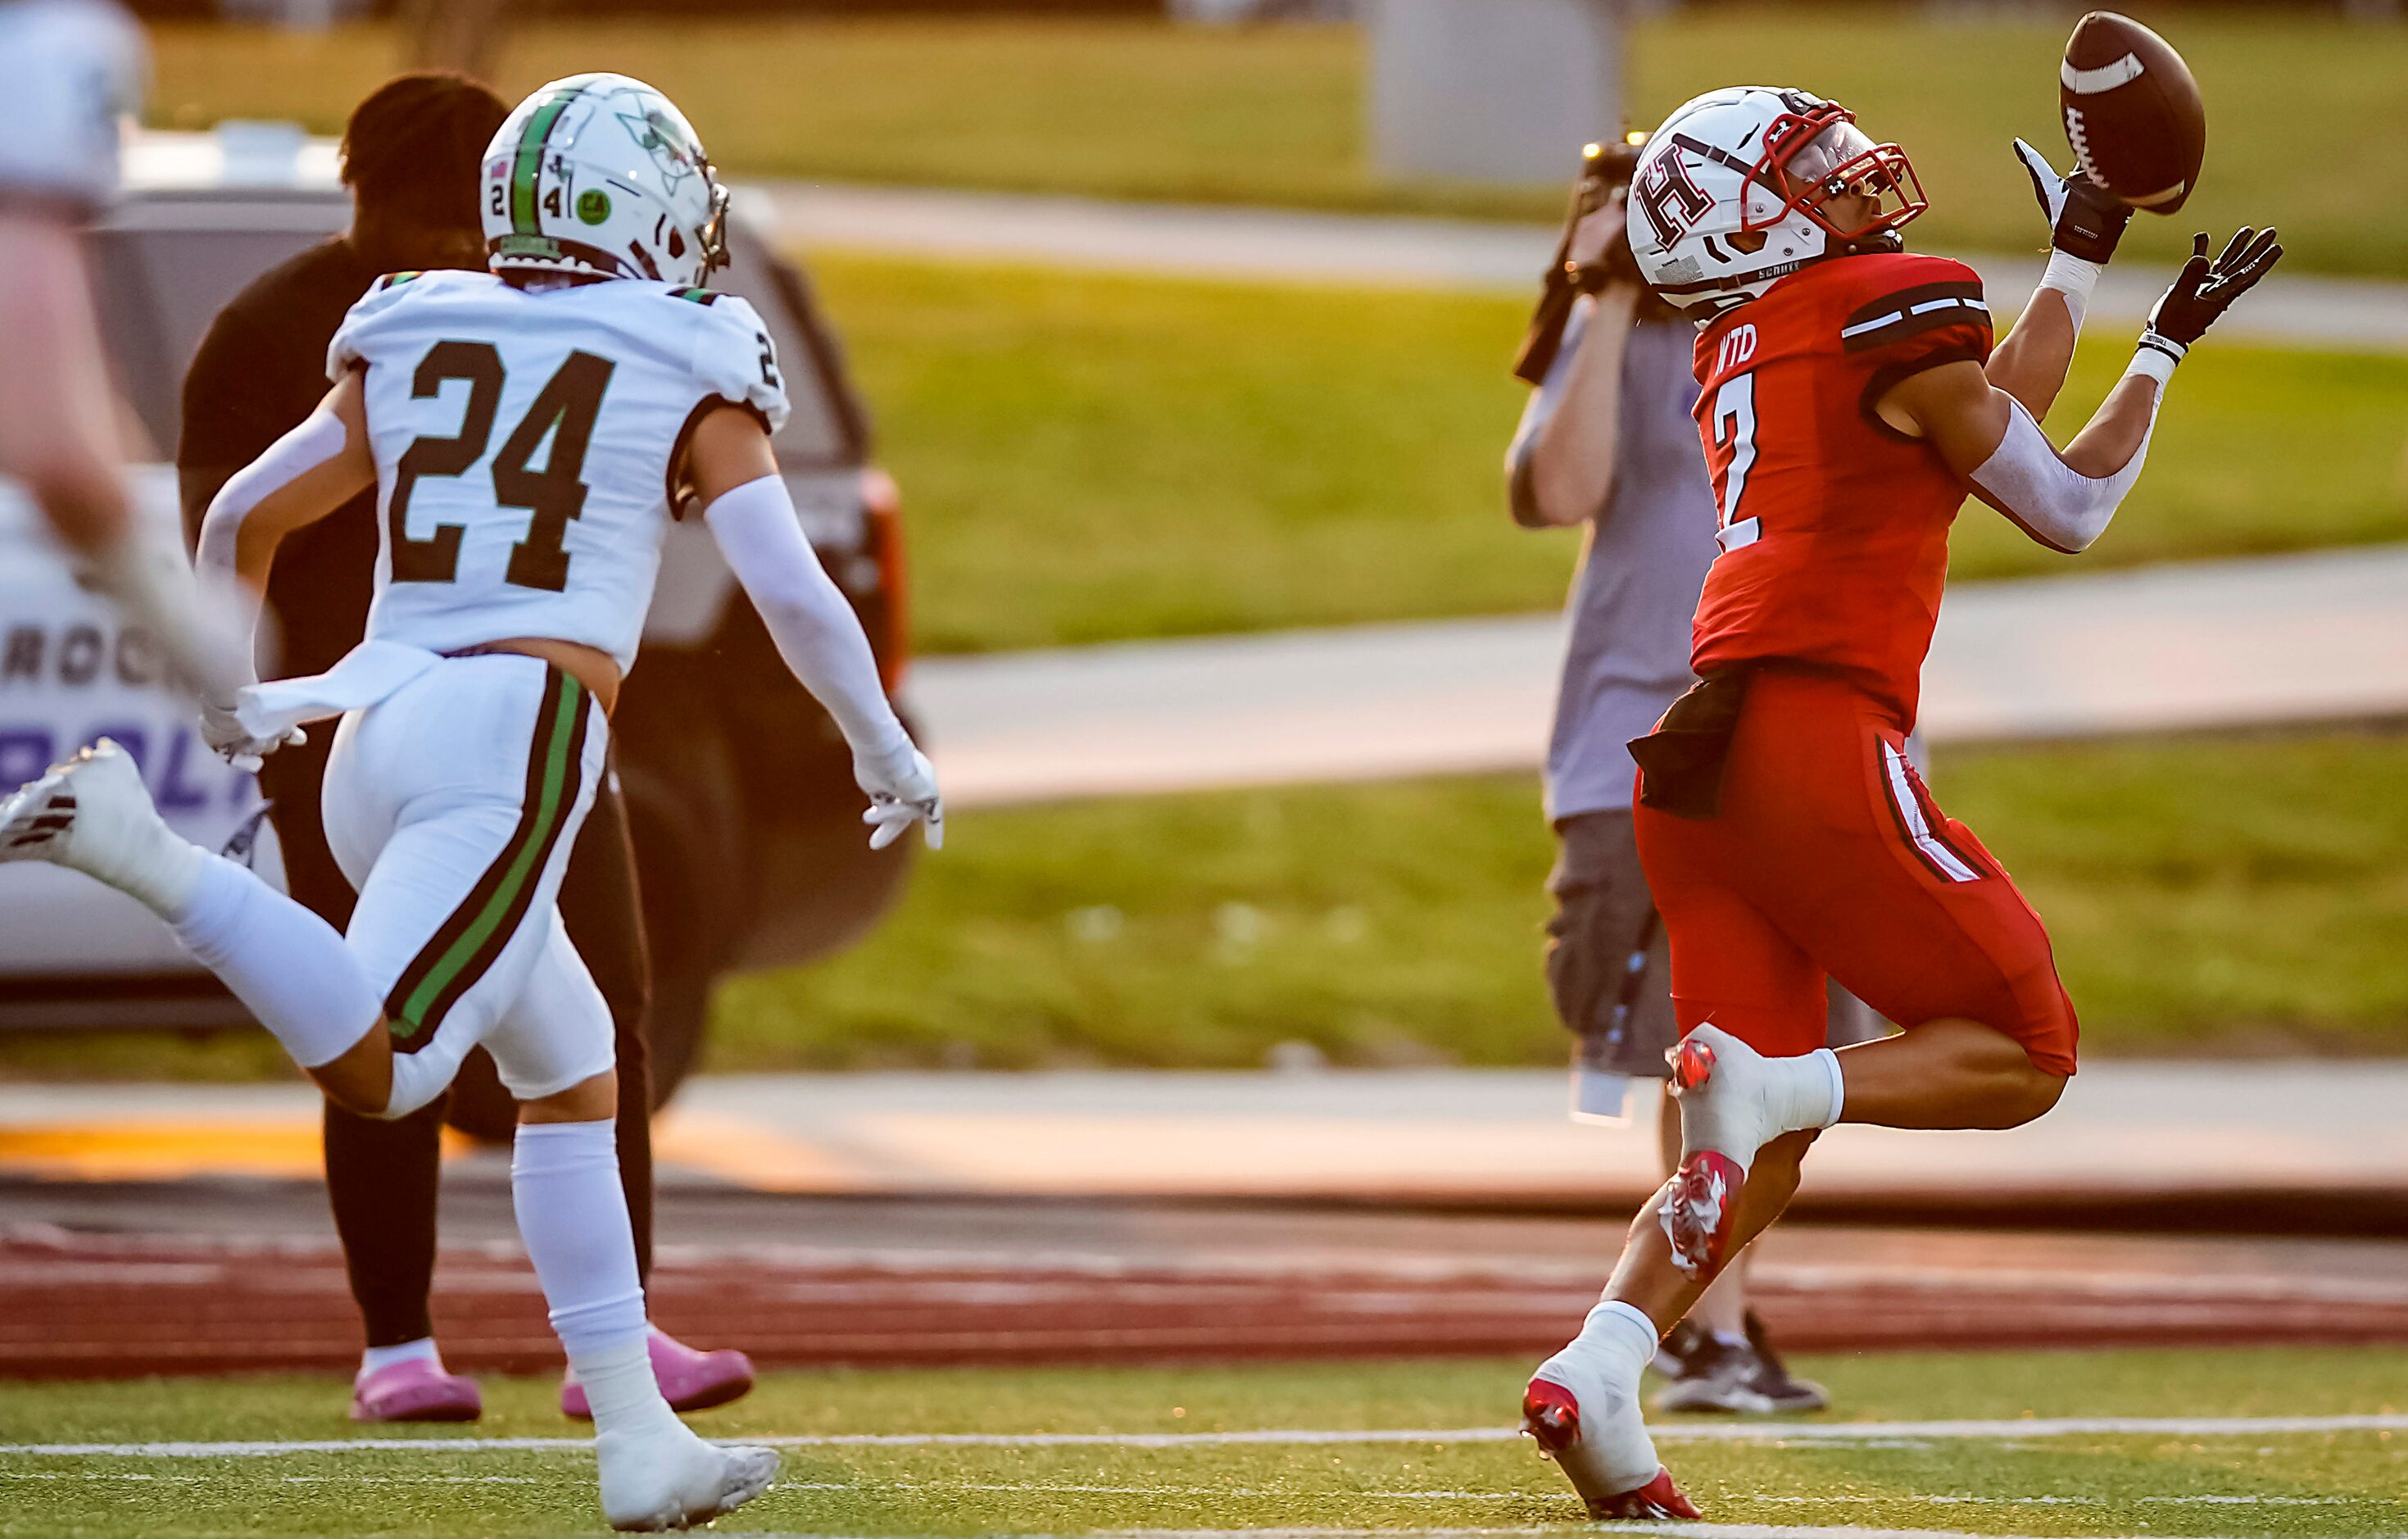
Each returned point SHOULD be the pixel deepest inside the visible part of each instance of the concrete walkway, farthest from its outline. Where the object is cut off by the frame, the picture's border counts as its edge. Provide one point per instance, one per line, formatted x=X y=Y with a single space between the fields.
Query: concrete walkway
x=1281 y=245
x=2293 y=639
x=2128 y=1135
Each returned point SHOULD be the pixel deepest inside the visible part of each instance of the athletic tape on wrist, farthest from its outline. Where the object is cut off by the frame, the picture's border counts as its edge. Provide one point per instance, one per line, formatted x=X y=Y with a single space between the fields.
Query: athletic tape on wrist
x=2074 y=277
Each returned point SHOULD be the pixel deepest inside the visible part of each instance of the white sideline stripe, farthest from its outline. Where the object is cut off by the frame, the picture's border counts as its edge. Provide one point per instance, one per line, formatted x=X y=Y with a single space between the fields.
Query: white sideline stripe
x=1665 y=1530
x=1061 y=1487
x=121 y=1476
x=1673 y=1531
x=1802 y=1432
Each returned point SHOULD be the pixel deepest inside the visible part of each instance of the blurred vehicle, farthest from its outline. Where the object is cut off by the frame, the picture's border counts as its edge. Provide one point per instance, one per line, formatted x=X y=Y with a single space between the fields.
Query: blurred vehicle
x=739 y=788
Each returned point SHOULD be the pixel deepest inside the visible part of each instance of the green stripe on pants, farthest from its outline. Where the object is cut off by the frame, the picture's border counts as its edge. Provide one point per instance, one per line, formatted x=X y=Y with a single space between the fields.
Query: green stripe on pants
x=570 y=699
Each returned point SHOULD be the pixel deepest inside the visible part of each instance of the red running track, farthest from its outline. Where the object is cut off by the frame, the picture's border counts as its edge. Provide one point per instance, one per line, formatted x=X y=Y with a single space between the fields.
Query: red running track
x=79 y=1306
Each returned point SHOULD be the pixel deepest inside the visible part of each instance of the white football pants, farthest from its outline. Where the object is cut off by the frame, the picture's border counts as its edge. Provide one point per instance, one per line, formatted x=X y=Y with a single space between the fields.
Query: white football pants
x=451 y=805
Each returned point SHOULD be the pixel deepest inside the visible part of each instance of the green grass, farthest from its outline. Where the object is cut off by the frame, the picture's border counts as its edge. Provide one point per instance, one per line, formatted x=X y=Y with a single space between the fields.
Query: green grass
x=1133 y=108
x=1087 y=457
x=2323 y=1483
x=2203 y=897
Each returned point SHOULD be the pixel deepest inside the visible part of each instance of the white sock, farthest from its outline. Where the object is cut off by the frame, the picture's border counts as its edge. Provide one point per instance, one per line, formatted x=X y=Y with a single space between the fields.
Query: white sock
x=286 y=964
x=1836 y=1088
x=652 y=1333
x=573 y=1218
x=377 y=1358
x=1805 y=1092
x=620 y=1390
x=158 y=871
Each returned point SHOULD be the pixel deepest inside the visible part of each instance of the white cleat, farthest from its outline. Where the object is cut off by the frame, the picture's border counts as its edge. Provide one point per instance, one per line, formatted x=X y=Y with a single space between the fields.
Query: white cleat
x=1592 y=1427
x=93 y=814
x=657 y=1481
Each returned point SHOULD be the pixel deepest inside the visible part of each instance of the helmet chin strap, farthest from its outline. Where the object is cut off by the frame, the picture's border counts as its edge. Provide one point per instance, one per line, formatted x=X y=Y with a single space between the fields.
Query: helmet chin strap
x=1879 y=243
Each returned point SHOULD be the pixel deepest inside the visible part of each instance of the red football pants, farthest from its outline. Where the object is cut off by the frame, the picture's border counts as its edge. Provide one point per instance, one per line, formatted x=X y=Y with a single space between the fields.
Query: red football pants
x=1828 y=855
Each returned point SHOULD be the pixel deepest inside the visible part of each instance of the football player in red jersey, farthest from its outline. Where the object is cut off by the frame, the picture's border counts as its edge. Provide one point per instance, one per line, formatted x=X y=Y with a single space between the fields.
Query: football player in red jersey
x=1851 y=400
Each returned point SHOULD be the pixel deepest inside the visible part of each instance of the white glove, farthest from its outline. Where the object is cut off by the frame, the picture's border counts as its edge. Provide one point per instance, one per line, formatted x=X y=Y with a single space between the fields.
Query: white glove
x=226 y=737
x=902 y=789
x=2085 y=220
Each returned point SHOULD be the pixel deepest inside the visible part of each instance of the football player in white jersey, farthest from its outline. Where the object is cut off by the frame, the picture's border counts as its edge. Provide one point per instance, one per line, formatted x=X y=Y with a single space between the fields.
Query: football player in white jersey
x=530 y=431
x=69 y=69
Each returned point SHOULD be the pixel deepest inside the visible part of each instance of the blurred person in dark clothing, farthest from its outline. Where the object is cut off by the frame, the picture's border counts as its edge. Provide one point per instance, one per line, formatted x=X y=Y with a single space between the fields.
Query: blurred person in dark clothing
x=410 y=157
x=1608 y=444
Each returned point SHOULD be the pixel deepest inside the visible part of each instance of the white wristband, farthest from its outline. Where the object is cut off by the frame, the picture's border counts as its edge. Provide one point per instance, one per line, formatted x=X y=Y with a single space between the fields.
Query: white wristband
x=2155 y=357
x=2074 y=277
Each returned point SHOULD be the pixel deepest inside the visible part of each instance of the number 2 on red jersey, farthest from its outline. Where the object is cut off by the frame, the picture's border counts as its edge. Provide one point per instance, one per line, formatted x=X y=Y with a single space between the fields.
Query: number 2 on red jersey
x=1730 y=452
x=1732 y=456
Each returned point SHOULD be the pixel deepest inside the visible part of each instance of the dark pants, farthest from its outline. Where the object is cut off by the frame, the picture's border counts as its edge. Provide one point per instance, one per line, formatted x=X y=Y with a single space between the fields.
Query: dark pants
x=382 y=1176
x=1610 y=961
x=1609 y=965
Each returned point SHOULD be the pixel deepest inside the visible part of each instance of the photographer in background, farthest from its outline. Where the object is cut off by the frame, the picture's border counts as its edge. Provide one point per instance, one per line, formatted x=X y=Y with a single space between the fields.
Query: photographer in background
x=1609 y=442
x=410 y=157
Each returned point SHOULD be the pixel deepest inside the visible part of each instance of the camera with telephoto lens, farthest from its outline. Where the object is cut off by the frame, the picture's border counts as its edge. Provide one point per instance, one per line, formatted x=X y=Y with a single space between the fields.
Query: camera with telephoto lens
x=1605 y=169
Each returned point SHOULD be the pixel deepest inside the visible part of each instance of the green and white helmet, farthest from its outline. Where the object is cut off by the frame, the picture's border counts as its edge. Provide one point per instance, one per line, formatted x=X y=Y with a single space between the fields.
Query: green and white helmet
x=601 y=174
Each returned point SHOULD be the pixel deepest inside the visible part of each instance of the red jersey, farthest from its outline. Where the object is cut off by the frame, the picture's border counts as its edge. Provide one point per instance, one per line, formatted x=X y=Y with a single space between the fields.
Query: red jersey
x=1834 y=525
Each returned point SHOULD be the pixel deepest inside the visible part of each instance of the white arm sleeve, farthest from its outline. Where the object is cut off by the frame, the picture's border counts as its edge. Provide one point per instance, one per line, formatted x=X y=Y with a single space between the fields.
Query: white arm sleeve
x=319 y=437
x=806 y=615
x=2050 y=500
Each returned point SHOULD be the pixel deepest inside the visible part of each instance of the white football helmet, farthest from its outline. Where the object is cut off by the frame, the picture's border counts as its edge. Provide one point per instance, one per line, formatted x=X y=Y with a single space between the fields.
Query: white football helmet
x=1736 y=190
x=601 y=174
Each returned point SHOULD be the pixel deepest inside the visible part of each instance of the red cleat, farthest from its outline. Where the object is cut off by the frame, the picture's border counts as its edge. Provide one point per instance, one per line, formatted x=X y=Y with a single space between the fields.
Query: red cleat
x=1654 y=1502
x=1693 y=1063
x=1700 y=1199
x=1551 y=1415
x=1697 y=1211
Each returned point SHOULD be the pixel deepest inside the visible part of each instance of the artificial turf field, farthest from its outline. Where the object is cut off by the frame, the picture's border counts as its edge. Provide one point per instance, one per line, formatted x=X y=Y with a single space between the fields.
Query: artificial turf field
x=1146 y=1450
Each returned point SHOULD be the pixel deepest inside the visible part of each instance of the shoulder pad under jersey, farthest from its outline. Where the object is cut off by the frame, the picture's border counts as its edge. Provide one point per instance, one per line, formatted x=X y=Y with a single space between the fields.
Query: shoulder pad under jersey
x=384 y=297
x=1899 y=299
x=733 y=356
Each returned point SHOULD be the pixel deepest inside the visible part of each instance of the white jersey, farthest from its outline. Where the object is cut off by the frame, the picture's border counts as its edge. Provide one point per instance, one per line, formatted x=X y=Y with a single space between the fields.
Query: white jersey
x=69 y=69
x=524 y=442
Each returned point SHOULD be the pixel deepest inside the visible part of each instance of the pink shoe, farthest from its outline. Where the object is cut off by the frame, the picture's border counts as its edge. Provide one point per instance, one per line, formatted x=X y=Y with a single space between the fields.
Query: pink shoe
x=416 y=1390
x=690 y=1380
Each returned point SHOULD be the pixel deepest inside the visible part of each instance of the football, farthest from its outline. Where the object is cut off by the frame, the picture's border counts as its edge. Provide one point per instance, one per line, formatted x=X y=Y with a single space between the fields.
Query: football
x=2132 y=112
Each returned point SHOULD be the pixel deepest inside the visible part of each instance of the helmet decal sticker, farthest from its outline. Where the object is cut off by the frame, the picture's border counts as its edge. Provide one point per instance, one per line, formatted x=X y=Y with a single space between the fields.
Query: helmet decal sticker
x=1673 y=201
x=675 y=157
x=601 y=174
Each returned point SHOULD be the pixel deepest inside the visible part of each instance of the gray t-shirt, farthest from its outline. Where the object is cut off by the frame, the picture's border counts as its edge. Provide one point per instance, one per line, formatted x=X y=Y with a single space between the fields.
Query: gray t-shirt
x=1636 y=594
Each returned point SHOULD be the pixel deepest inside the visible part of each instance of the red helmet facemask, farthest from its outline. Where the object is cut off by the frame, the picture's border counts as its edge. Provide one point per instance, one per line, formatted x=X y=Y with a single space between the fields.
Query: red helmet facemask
x=1880 y=172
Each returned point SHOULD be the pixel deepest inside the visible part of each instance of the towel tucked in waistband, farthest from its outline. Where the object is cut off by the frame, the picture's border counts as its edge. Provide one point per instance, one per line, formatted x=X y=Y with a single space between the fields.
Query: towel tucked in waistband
x=1681 y=763
x=370 y=672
